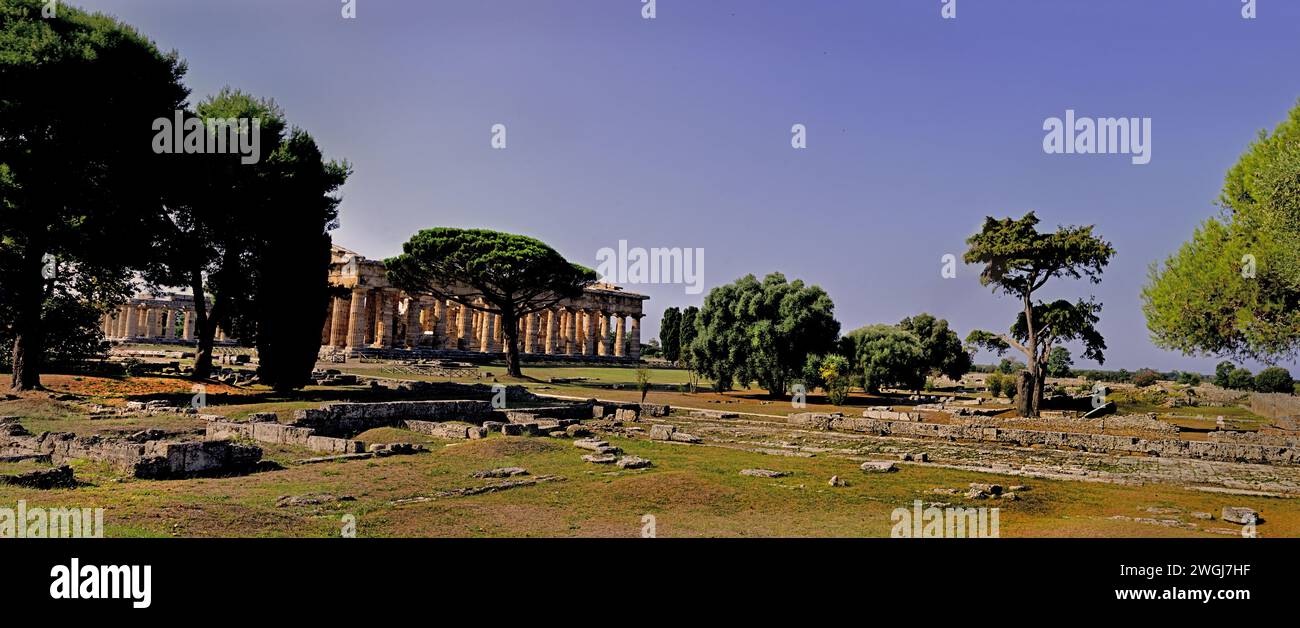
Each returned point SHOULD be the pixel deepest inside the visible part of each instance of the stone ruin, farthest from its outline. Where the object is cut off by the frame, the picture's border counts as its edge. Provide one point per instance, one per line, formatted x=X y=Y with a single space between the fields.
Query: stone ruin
x=332 y=428
x=1221 y=451
x=150 y=459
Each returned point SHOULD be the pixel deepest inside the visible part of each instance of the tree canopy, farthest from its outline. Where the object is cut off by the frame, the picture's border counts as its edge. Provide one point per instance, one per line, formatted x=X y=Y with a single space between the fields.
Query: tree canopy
x=1233 y=289
x=762 y=331
x=501 y=273
x=79 y=180
x=670 y=334
x=944 y=353
x=251 y=240
x=889 y=356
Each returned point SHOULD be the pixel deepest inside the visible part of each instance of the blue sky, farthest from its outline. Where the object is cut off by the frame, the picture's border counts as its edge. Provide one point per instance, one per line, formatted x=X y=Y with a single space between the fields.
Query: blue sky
x=676 y=131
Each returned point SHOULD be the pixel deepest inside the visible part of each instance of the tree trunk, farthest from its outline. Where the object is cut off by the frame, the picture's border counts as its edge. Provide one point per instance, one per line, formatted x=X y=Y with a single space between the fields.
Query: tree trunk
x=203 y=356
x=1025 y=385
x=1027 y=396
x=1038 y=389
x=510 y=331
x=29 y=336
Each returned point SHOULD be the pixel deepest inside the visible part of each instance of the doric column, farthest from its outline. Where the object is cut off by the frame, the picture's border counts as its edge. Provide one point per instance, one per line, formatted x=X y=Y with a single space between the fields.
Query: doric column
x=413 y=331
x=634 y=345
x=485 y=332
x=462 y=325
x=602 y=335
x=189 y=325
x=571 y=331
x=618 y=334
x=357 y=319
x=530 y=332
x=169 y=323
x=589 y=333
x=132 y=322
x=339 y=321
x=552 y=328
x=384 y=319
x=438 y=323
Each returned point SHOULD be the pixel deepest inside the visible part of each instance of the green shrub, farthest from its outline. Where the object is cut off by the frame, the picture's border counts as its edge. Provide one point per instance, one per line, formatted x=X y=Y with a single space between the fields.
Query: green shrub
x=1274 y=379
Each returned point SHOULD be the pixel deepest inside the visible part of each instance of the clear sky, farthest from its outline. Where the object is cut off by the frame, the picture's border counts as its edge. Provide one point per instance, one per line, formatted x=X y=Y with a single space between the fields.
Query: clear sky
x=676 y=131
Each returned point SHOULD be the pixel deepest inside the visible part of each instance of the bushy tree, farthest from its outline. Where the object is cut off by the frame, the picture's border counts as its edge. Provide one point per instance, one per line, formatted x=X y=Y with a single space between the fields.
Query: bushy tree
x=500 y=273
x=670 y=334
x=1274 y=379
x=1019 y=260
x=888 y=356
x=1145 y=377
x=1221 y=373
x=762 y=331
x=944 y=353
x=994 y=383
x=80 y=189
x=1007 y=366
x=1241 y=379
x=1234 y=288
x=1059 y=362
x=832 y=373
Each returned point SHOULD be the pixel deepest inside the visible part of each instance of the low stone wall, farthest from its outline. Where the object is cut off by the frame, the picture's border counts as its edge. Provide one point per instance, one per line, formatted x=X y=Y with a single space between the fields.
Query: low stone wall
x=150 y=459
x=1102 y=443
x=347 y=419
x=283 y=435
x=890 y=415
x=1137 y=423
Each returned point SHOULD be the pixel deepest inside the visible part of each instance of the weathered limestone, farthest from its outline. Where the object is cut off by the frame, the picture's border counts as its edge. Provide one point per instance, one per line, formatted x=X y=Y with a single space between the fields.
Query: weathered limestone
x=339 y=322
x=634 y=348
x=602 y=337
x=154 y=459
x=571 y=331
x=356 y=318
x=1104 y=443
x=619 y=341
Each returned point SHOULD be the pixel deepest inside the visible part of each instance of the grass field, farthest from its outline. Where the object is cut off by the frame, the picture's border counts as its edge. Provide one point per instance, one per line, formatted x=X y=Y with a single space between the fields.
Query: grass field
x=691 y=491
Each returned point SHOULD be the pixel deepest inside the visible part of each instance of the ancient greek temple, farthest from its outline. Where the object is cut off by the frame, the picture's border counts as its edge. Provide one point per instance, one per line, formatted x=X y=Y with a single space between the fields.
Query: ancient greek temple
x=374 y=318
x=163 y=318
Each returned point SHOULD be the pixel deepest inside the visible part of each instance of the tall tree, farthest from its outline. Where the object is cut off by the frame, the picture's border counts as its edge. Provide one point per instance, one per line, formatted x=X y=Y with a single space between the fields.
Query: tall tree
x=762 y=331
x=1019 y=260
x=944 y=353
x=1233 y=290
x=79 y=179
x=499 y=273
x=670 y=334
x=685 y=338
x=293 y=257
x=250 y=239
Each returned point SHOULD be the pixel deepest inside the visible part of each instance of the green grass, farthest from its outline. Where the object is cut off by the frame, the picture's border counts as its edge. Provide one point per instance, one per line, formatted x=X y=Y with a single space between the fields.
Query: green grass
x=691 y=491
